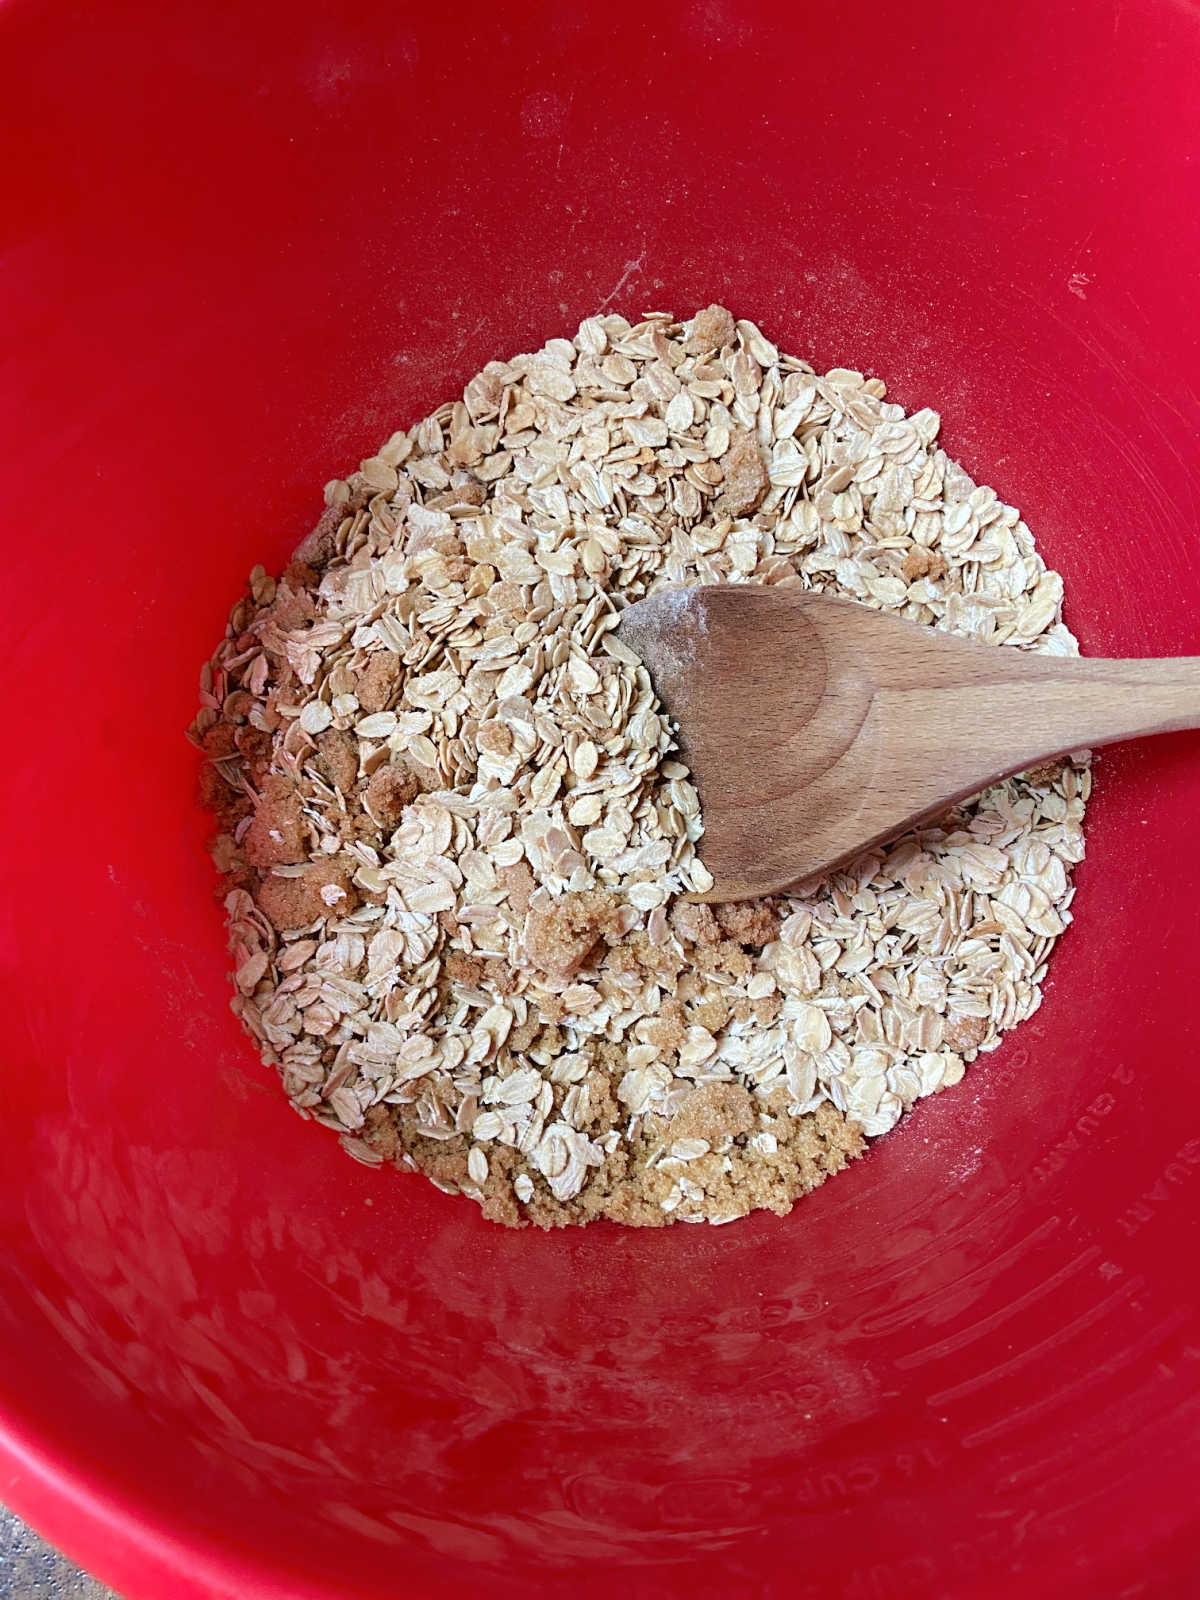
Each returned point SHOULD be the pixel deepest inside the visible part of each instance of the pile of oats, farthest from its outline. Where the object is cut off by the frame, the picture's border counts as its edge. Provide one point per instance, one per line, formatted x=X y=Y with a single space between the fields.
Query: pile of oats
x=456 y=838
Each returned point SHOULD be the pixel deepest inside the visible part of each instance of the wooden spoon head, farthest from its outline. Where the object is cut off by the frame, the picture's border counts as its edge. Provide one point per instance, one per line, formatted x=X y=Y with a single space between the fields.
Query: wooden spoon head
x=815 y=727
x=762 y=713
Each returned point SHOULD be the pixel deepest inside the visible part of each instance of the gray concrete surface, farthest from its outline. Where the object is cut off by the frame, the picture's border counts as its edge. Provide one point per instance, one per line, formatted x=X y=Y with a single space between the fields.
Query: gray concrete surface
x=31 y=1570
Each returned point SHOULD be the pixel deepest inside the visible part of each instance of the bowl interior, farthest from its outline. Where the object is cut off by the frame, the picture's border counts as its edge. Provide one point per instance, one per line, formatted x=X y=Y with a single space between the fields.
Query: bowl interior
x=238 y=251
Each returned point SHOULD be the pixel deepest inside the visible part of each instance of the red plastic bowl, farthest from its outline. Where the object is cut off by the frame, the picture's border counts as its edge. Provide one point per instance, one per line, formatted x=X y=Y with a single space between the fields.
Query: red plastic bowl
x=241 y=245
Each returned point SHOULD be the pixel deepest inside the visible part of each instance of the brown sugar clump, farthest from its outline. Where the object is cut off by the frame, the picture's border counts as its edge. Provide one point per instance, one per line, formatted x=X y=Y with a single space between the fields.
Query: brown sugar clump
x=922 y=563
x=1048 y=772
x=293 y=610
x=317 y=548
x=498 y=1202
x=631 y=1186
x=476 y=971
x=228 y=805
x=754 y=922
x=501 y=977
x=254 y=746
x=389 y=790
x=377 y=682
x=299 y=575
x=965 y=1033
x=666 y=1031
x=323 y=890
x=715 y=1111
x=560 y=936
x=603 y=1107
x=214 y=791
x=276 y=835
x=695 y=924
x=712 y=1014
x=725 y=958
x=767 y=1009
x=746 y=479
x=219 y=742
x=637 y=955
x=712 y=329
x=459 y=967
x=337 y=758
x=520 y=883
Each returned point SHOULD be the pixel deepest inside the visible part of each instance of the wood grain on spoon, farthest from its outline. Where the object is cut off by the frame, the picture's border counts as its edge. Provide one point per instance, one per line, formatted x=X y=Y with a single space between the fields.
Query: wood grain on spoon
x=815 y=727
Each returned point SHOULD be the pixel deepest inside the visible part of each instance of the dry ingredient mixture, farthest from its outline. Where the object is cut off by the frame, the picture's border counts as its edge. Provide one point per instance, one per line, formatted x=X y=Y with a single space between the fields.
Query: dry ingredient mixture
x=455 y=837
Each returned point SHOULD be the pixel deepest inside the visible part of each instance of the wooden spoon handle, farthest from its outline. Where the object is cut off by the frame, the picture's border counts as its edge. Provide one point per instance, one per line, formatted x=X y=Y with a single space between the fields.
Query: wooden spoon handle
x=1037 y=707
x=1124 y=699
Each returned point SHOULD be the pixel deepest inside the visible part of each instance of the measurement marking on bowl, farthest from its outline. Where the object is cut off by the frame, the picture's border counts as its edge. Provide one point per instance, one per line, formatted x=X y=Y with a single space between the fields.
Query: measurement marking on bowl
x=1094 y=1375
x=894 y=1321
x=1113 y=1434
x=959 y=1341
x=1007 y=1368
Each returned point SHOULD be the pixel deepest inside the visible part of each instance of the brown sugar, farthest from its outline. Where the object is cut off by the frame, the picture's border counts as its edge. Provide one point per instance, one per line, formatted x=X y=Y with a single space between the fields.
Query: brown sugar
x=665 y=1031
x=219 y=742
x=1048 y=772
x=696 y=924
x=749 y=922
x=712 y=329
x=519 y=881
x=228 y=804
x=276 y=835
x=726 y=958
x=715 y=1111
x=477 y=972
x=377 y=682
x=321 y=891
x=560 y=936
x=462 y=968
x=712 y=1013
x=319 y=548
x=254 y=746
x=746 y=480
x=337 y=759
x=389 y=790
x=922 y=563
x=299 y=575
x=964 y=1033
x=631 y=1185
x=293 y=611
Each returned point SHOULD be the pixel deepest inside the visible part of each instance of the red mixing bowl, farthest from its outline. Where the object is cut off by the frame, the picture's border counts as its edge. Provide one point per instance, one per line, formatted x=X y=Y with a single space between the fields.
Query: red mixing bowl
x=240 y=245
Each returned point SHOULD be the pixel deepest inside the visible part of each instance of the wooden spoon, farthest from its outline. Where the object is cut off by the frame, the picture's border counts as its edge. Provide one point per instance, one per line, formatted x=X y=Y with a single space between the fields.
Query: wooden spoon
x=815 y=727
